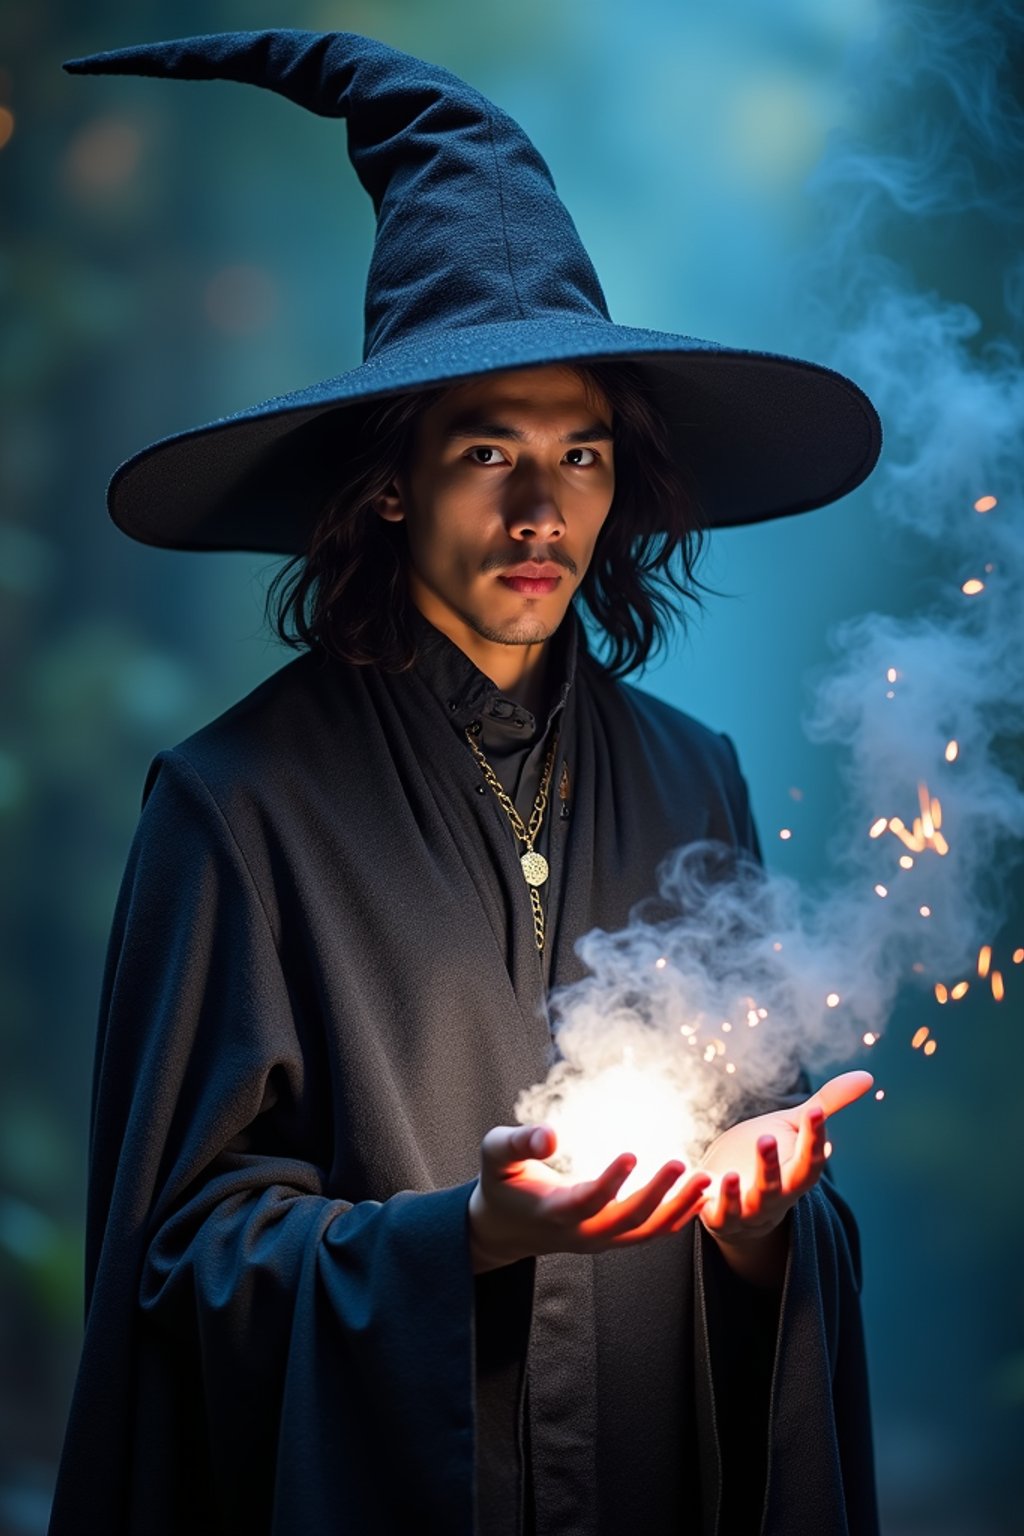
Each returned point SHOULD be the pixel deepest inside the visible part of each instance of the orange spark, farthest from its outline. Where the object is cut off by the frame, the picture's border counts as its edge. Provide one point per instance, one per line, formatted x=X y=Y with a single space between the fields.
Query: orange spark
x=926 y=803
x=972 y=587
x=920 y=1036
x=912 y=840
x=878 y=827
x=960 y=990
x=998 y=990
x=985 y=504
x=1018 y=956
x=952 y=751
x=941 y=993
x=930 y=1047
x=984 y=959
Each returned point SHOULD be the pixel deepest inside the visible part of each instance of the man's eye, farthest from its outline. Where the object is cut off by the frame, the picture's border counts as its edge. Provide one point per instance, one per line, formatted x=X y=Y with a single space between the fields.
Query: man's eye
x=581 y=463
x=493 y=455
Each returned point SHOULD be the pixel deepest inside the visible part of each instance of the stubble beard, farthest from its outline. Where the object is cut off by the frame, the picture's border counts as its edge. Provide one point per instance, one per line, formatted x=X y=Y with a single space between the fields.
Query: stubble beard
x=525 y=629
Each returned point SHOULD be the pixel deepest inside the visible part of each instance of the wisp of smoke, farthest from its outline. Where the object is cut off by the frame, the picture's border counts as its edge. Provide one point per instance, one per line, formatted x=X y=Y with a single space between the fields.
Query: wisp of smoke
x=704 y=1007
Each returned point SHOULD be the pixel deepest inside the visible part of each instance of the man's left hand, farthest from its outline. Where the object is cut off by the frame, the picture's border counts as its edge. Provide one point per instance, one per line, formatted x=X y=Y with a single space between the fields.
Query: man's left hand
x=763 y=1166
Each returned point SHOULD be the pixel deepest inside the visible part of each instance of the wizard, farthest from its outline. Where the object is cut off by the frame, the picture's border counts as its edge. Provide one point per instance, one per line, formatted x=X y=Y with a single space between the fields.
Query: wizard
x=331 y=1286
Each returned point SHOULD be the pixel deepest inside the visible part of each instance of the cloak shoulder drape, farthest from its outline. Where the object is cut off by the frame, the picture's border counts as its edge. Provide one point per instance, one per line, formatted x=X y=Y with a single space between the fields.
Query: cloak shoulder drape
x=321 y=990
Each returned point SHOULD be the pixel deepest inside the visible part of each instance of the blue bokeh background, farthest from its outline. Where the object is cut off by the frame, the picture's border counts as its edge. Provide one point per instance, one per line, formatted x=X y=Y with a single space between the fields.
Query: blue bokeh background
x=172 y=252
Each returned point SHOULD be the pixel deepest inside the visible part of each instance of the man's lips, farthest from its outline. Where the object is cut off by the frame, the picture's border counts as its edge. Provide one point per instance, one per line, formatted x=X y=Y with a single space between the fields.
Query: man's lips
x=532 y=580
x=531 y=586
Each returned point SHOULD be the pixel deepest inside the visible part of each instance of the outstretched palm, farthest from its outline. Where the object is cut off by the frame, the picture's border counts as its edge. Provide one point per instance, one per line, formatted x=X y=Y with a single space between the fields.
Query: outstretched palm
x=762 y=1166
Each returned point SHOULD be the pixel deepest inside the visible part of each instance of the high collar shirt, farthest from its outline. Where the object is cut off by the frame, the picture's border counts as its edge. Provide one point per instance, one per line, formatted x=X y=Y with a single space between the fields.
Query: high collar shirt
x=512 y=739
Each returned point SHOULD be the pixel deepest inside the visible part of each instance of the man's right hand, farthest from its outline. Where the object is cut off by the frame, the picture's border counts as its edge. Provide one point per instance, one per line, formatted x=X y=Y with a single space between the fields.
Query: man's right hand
x=520 y=1207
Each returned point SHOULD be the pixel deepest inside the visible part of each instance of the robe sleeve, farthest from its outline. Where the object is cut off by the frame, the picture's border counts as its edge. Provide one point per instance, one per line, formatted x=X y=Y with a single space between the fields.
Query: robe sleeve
x=261 y=1353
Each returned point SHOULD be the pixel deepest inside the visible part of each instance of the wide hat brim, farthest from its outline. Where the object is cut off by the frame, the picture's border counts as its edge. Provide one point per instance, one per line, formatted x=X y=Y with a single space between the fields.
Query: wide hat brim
x=756 y=435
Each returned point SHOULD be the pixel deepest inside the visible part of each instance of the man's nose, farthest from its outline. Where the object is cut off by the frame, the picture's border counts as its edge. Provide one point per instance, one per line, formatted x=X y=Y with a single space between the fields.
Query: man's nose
x=533 y=510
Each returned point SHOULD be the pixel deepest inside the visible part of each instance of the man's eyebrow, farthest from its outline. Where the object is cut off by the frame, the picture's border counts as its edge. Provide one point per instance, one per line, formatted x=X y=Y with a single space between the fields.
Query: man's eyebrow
x=477 y=426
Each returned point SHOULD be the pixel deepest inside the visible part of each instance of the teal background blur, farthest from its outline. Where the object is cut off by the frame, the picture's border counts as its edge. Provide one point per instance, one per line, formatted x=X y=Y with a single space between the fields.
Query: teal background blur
x=173 y=252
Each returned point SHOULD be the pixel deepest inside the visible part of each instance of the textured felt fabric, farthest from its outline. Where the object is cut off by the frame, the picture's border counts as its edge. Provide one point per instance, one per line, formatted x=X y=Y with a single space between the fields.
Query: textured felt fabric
x=477 y=267
x=321 y=990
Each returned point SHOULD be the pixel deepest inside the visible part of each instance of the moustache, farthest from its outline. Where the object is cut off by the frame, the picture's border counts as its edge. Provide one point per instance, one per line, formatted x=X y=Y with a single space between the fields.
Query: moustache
x=540 y=557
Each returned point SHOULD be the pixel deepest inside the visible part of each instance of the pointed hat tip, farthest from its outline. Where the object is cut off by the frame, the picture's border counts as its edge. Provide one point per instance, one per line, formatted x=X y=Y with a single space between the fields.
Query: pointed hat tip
x=121 y=60
x=179 y=55
x=131 y=60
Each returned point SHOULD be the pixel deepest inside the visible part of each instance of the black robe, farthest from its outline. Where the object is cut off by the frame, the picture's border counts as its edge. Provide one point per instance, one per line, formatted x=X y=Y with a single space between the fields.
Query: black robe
x=322 y=988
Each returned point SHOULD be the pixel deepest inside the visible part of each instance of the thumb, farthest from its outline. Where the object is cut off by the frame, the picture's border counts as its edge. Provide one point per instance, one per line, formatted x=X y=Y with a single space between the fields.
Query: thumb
x=840 y=1091
x=507 y=1146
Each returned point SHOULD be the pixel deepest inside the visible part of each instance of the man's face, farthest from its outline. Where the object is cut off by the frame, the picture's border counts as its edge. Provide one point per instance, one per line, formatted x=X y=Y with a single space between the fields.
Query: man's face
x=510 y=481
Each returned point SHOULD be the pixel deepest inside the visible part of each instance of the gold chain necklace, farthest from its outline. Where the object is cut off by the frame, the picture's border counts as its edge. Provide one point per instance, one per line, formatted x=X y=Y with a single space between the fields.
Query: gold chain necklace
x=533 y=864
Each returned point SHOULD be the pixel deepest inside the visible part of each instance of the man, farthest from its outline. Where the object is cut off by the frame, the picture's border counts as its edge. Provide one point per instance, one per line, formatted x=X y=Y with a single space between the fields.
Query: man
x=331 y=1287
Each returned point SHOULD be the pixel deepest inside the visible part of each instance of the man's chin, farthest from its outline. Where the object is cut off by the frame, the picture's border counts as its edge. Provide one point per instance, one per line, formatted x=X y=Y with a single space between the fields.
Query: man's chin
x=524 y=629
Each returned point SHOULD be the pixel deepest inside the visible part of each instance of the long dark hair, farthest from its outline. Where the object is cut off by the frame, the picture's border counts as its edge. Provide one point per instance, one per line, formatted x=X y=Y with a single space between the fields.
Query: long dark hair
x=346 y=592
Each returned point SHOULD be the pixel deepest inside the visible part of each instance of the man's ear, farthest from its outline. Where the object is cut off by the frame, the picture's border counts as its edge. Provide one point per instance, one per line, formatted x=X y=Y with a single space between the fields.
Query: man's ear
x=389 y=504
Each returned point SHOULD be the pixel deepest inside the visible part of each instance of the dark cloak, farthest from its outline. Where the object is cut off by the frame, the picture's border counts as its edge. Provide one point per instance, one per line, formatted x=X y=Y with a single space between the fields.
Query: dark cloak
x=321 y=991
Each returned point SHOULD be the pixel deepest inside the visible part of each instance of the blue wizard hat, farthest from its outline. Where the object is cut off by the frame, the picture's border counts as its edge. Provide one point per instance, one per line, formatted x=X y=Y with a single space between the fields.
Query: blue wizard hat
x=477 y=267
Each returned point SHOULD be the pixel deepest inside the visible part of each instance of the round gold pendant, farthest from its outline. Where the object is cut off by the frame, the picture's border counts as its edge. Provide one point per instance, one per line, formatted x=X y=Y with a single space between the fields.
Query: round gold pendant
x=535 y=867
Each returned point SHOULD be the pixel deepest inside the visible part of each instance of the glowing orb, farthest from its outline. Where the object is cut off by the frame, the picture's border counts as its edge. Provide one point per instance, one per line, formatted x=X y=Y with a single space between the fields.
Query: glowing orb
x=620 y=1109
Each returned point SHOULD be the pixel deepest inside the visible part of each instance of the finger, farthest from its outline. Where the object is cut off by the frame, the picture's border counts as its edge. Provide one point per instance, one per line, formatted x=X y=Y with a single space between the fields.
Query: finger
x=728 y=1205
x=671 y=1215
x=636 y=1208
x=675 y=1212
x=506 y=1147
x=768 y=1177
x=809 y=1155
x=840 y=1091
x=586 y=1200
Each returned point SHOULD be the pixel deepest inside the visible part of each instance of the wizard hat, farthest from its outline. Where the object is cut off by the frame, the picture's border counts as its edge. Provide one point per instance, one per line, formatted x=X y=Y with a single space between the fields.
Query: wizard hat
x=477 y=267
